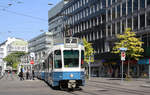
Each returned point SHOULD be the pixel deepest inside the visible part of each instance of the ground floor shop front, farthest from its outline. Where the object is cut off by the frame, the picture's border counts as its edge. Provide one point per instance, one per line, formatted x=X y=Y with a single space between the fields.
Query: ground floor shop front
x=113 y=69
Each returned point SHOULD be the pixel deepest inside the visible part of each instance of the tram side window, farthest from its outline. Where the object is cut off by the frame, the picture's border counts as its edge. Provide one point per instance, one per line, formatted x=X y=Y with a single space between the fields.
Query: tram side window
x=51 y=61
x=82 y=59
x=57 y=59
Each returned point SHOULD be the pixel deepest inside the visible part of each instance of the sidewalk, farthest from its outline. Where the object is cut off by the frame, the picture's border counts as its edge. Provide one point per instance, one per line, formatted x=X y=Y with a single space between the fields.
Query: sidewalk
x=138 y=82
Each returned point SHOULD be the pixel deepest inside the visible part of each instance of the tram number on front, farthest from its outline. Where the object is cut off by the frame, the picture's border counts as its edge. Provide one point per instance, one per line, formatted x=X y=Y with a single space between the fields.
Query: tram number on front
x=71 y=40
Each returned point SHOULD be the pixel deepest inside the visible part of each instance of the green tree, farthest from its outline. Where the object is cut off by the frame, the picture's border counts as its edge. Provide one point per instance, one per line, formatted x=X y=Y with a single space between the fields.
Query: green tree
x=89 y=51
x=133 y=45
x=13 y=59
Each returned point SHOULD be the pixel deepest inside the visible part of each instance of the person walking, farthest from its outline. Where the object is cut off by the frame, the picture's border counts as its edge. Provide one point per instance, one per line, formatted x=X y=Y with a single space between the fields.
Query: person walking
x=21 y=75
x=33 y=74
x=27 y=74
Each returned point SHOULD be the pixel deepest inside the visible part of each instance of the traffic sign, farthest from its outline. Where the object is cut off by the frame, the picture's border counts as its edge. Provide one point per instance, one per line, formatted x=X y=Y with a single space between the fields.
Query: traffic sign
x=123 y=49
x=32 y=55
x=123 y=55
x=31 y=62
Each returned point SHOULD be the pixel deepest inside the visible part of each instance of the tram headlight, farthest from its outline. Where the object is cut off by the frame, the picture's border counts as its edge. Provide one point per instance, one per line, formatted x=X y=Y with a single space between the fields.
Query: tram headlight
x=71 y=75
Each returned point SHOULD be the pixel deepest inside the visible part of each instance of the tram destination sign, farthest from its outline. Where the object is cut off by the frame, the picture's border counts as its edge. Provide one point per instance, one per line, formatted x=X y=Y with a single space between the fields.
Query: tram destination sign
x=71 y=42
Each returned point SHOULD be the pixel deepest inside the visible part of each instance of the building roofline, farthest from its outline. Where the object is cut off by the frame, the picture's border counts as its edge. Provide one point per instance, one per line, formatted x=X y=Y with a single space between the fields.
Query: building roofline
x=3 y=43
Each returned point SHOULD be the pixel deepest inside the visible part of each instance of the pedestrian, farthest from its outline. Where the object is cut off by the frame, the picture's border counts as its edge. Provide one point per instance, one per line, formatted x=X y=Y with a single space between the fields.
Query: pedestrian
x=11 y=75
x=21 y=75
x=33 y=74
x=27 y=75
x=6 y=75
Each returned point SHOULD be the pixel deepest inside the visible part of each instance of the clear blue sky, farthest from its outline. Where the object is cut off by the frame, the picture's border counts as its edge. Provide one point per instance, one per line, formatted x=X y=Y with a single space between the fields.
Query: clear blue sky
x=24 y=18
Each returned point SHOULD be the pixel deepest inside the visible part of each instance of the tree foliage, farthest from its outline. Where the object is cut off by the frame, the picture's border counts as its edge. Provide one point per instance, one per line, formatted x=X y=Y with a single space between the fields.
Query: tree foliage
x=13 y=59
x=129 y=41
x=89 y=51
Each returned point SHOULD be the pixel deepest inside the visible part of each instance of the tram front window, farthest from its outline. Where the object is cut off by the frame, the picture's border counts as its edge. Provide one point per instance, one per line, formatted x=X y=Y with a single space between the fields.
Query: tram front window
x=71 y=58
x=57 y=59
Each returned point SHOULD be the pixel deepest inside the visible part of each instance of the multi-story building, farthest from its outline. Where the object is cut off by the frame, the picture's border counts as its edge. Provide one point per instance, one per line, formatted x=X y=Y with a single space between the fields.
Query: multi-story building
x=9 y=46
x=99 y=21
x=40 y=44
x=55 y=19
x=39 y=47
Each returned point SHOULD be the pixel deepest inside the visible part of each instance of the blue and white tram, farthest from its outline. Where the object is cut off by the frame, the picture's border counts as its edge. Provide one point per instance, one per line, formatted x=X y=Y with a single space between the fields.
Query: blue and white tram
x=63 y=66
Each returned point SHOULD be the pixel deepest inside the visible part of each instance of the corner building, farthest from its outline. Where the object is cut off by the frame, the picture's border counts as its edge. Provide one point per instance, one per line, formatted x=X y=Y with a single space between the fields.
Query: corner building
x=99 y=21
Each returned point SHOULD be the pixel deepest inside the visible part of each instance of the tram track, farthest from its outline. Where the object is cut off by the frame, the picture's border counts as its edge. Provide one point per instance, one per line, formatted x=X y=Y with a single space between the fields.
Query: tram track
x=82 y=91
x=78 y=91
x=120 y=89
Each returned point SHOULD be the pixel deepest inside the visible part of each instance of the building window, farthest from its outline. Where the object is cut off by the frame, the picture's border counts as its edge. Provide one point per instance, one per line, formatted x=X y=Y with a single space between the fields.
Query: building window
x=113 y=29
x=94 y=8
x=109 y=15
x=103 y=4
x=113 y=13
x=97 y=35
x=87 y=1
x=109 y=30
x=142 y=3
x=123 y=25
x=118 y=27
x=104 y=17
x=109 y=3
x=148 y=2
x=118 y=11
x=129 y=6
x=142 y=21
x=84 y=2
x=135 y=22
x=130 y=23
x=148 y=18
x=98 y=6
x=119 y=0
x=113 y=1
x=124 y=9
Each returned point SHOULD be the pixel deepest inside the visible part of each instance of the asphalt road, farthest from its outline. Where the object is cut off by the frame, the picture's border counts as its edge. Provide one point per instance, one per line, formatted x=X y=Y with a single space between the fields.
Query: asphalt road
x=13 y=86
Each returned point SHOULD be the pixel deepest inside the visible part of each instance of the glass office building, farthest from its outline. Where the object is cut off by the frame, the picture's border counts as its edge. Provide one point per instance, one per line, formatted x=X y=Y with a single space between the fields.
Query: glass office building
x=99 y=21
